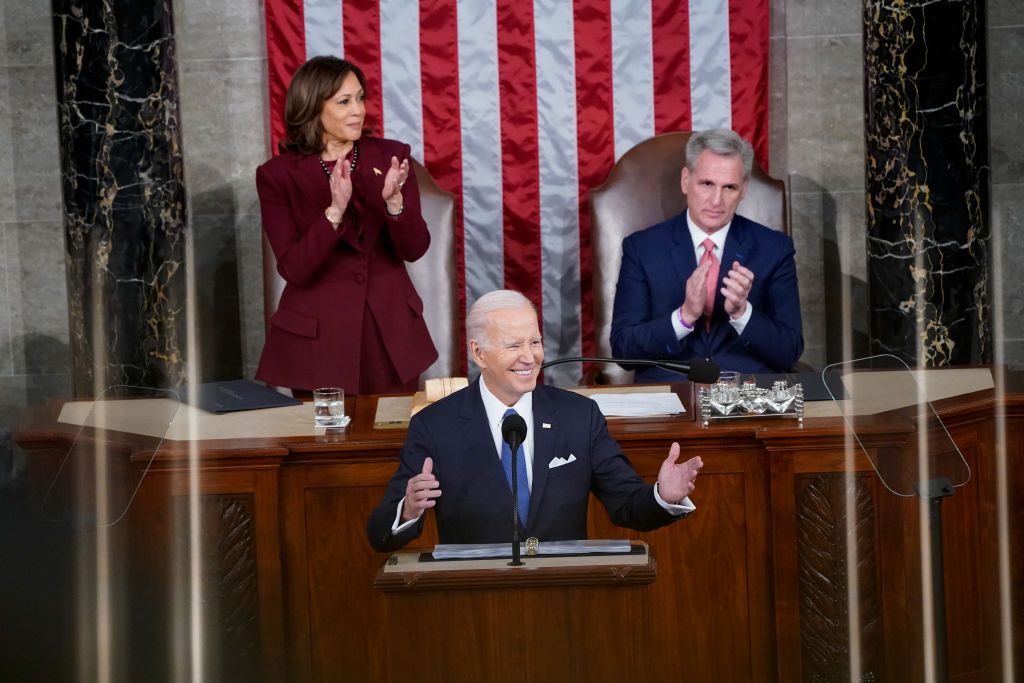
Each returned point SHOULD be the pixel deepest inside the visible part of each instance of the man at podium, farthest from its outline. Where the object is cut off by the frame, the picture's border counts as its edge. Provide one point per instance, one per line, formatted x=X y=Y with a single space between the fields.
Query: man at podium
x=455 y=460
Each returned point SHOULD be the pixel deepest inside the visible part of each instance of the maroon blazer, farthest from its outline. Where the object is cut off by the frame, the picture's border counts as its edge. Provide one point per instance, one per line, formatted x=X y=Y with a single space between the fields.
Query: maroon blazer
x=338 y=280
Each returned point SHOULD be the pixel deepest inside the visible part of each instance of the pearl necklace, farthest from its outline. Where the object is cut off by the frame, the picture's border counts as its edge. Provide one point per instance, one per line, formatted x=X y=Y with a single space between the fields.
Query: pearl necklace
x=352 y=167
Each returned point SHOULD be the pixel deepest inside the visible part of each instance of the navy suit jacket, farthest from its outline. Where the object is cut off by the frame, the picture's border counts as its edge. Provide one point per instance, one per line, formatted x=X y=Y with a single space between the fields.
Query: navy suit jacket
x=475 y=505
x=656 y=263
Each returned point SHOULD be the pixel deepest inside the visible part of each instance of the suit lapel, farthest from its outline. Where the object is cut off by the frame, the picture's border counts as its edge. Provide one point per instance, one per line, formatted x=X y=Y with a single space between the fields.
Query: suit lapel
x=737 y=248
x=371 y=177
x=310 y=178
x=484 y=465
x=683 y=256
x=544 y=413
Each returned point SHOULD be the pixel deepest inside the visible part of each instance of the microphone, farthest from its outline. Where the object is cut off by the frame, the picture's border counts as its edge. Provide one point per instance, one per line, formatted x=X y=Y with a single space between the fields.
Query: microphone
x=513 y=432
x=698 y=370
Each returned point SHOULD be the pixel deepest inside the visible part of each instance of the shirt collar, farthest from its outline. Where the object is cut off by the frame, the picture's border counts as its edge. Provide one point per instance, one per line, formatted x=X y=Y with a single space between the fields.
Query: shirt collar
x=496 y=409
x=698 y=236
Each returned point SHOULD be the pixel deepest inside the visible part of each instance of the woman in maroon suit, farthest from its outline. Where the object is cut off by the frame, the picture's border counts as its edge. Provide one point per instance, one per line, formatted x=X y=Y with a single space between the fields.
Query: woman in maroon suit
x=342 y=213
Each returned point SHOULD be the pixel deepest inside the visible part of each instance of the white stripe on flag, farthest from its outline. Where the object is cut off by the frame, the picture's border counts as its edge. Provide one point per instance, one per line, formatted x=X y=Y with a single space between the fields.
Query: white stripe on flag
x=632 y=73
x=559 y=185
x=480 y=116
x=324 y=36
x=710 y=75
x=400 y=73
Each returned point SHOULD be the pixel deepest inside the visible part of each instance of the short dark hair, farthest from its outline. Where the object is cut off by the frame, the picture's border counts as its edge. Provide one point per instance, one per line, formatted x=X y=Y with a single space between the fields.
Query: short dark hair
x=315 y=81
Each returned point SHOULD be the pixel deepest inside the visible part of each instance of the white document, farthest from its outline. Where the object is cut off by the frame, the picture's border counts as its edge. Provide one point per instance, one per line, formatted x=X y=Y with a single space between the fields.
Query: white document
x=639 y=404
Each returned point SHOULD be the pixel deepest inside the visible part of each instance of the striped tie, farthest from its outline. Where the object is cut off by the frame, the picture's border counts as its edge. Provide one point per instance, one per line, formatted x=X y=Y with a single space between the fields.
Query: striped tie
x=523 y=484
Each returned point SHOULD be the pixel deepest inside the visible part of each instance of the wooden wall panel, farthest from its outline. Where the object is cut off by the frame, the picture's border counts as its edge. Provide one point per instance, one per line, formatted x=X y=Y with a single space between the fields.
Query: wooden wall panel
x=735 y=597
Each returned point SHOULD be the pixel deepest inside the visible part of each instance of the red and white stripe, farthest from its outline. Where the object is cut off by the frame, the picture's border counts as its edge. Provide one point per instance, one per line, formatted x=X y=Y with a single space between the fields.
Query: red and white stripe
x=519 y=108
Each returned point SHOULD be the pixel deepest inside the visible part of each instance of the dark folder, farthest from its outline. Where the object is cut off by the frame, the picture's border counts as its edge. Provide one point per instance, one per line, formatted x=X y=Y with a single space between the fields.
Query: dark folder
x=814 y=385
x=237 y=394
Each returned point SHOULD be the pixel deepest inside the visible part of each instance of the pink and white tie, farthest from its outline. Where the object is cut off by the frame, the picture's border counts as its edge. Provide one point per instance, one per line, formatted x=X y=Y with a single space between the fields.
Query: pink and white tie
x=712 y=285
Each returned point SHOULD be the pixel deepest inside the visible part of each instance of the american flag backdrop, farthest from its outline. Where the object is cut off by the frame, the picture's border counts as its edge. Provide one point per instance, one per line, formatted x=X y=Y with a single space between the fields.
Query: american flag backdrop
x=519 y=107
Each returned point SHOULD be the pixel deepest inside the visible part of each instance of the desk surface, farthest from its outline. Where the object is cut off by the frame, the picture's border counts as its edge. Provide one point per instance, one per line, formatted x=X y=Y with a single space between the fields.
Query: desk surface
x=291 y=428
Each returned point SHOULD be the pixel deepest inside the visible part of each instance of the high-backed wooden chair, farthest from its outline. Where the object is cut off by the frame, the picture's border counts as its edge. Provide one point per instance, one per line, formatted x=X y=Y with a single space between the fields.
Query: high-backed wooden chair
x=642 y=189
x=433 y=275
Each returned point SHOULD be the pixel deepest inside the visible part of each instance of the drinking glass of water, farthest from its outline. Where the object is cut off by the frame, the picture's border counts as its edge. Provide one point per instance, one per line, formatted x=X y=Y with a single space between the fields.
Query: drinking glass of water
x=329 y=407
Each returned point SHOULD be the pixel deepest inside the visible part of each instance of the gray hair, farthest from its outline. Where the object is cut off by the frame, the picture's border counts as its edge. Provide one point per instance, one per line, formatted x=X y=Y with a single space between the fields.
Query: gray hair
x=498 y=300
x=721 y=141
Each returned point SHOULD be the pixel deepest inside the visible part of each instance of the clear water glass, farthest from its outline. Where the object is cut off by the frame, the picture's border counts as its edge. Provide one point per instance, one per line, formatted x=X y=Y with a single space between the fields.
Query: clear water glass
x=329 y=407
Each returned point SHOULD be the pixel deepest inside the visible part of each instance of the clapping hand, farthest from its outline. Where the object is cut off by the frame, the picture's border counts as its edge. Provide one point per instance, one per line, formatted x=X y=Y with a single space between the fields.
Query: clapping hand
x=396 y=176
x=341 y=186
x=736 y=288
x=696 y=292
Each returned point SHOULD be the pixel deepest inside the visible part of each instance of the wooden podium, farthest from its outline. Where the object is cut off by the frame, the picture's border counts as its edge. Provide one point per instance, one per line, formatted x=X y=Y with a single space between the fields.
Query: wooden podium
x=752 y=586
x=565 y=618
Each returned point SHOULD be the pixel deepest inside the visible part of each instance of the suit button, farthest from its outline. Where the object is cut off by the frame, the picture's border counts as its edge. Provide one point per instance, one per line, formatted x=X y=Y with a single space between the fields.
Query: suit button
x=360 y=278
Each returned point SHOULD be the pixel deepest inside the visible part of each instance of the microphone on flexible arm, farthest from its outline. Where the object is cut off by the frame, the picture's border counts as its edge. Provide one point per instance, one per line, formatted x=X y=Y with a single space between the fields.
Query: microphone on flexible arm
x=513 y=432
x=697 y=370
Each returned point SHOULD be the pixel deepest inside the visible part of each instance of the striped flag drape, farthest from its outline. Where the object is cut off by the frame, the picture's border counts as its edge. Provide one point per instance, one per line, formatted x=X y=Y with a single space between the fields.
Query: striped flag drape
x=520 y=107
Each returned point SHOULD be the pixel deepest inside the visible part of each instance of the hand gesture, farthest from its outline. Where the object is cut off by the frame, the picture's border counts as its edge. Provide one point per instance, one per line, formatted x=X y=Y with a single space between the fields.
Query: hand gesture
x=420 y=492
x=676 y=480
x=696 y=292
x=736 y=288
x=393 y=182
x=341 y=188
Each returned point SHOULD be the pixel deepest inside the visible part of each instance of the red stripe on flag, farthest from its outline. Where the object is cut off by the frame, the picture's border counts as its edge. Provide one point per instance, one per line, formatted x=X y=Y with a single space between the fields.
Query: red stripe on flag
x=517 y=89
x=442 y=129
x=286 y=52
x=748 y=55
x=595 y=133
x=361 y=29
x=670 y=48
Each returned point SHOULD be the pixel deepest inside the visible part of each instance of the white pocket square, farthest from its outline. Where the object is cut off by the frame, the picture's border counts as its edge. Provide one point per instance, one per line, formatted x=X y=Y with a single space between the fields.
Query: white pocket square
x=558 y=461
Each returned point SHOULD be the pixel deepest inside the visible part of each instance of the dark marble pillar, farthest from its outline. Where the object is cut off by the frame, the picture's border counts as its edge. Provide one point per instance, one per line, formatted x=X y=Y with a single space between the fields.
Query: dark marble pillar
x=926 y=119
x=124 y=197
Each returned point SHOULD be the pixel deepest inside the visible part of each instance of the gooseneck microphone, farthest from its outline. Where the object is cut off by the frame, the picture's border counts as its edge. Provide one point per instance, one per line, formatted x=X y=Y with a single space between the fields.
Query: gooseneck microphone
x=513 y=432
x=698 y=370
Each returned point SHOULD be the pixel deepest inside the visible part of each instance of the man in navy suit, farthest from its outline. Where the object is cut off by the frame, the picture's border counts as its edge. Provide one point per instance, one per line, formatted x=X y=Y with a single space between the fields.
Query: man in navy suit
x=708 y=283
x=452 y=458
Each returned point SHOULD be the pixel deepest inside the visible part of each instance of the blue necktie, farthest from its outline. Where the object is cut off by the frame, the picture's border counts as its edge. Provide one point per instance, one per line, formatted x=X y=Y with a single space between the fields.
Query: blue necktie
x=523 y=484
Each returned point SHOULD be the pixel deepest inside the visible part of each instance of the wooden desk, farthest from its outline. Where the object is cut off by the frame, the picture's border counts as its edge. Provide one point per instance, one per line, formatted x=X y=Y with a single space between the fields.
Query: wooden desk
x=751 y=587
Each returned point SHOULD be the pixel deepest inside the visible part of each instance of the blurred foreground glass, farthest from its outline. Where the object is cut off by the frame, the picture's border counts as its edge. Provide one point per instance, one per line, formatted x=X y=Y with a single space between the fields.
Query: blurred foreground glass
x=119 y=432
x=881 y=389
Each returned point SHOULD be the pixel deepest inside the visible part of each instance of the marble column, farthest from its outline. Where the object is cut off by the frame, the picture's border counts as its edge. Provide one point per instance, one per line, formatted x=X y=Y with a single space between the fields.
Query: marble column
x=926 y=119
x=124 y=196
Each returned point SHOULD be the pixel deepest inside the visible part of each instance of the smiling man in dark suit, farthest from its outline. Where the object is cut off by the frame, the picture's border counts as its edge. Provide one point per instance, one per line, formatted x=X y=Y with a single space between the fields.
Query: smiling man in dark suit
x=709 y=283
x=452 y=459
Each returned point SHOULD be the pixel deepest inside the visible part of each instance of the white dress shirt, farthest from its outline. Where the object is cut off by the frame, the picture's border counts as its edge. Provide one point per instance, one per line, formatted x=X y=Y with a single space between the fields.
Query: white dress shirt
x=495 y=416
